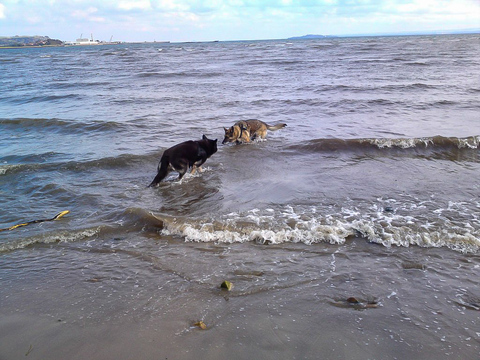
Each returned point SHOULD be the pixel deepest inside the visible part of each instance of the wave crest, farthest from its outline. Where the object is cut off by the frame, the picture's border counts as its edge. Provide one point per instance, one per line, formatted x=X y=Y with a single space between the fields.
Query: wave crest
x=436 y=143
x=50 y=238
x=310 y=227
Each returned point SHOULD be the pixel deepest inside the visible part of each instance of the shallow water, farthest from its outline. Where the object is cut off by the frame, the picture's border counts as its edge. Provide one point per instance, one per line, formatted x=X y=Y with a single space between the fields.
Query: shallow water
x=371 y=191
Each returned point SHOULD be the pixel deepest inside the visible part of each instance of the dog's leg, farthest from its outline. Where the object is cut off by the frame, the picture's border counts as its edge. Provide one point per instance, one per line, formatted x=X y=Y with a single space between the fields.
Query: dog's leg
x=245 y=138
x=196 y=168
x=262 y=133
x=181 y=172
x=198 y=165
x=163 y=171
x=181 y=167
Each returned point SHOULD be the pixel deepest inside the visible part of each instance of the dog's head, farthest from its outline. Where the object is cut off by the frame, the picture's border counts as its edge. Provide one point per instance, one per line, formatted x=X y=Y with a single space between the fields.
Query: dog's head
x=232 y=134
x=235 y=133
x=211 y=144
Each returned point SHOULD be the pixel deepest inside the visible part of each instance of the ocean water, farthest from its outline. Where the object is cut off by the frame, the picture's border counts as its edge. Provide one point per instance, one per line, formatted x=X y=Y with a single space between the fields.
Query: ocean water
x=371 y=191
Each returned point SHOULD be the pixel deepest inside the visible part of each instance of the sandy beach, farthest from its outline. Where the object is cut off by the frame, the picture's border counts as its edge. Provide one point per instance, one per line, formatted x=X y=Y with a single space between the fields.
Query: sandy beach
x=408 y=306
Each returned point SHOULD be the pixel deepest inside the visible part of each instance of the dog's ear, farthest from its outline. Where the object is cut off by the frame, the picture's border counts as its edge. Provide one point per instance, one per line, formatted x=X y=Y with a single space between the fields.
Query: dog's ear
x=226 y=129
x=204 y=137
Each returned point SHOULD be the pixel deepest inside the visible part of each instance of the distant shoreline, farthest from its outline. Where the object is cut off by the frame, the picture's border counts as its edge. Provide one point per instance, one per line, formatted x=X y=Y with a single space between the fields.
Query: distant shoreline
x=31 y=46
x=303 y=37
x=81 y=45
x=50 y=46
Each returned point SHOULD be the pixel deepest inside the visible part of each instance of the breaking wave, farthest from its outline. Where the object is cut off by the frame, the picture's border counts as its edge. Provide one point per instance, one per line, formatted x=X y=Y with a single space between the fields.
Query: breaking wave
x=386 y=226
x=50 y=238
x=382 y=226
x=435 y=144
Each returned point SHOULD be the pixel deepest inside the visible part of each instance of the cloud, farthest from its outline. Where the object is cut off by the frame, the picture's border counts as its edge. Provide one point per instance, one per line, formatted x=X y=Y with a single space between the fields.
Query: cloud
x=87 y=14
x=196 y=20
x=128 y=5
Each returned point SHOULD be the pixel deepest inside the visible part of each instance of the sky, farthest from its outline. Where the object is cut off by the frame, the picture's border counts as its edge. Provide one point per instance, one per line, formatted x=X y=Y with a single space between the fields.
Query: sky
x=210 y=20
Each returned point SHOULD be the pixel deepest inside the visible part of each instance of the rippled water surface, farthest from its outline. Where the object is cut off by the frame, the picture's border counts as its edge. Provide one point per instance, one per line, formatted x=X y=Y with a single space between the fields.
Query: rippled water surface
x=376 y=176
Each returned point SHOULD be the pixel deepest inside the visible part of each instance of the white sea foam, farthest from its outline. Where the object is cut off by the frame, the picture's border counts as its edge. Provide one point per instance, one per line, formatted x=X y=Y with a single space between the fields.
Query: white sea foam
x=401 y=143
x=62 y=236
x=7 y=168
x=472 y=142
x=308 y=226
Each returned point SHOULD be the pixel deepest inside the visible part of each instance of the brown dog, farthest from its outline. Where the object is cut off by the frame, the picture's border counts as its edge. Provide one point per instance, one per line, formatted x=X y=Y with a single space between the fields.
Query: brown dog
x=245 y=131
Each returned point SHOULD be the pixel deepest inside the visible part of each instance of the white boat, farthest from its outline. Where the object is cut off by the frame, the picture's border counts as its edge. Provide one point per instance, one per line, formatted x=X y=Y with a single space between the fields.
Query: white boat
x=86 y=41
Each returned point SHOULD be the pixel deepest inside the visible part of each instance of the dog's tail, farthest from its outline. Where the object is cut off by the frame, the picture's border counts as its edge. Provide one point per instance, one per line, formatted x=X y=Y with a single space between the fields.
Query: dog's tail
x=162 y=171
x=276 y=127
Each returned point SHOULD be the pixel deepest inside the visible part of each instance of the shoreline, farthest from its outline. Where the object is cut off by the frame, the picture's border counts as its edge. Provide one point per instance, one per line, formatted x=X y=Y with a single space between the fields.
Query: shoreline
x=83 y=306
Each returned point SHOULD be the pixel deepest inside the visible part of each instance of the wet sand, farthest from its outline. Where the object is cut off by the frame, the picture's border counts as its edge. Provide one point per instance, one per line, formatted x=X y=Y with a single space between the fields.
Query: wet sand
x=288 y=302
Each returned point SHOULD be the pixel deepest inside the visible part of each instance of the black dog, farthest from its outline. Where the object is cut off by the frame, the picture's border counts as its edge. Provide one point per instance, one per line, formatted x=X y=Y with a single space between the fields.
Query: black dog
x=189 y=154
